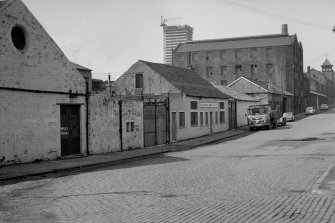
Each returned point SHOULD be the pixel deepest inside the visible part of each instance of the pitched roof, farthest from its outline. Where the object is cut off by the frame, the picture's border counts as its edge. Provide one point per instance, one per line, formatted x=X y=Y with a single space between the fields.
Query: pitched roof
x=266 y=85
x=326 y=63
x=234 y=94
x=186 y=80
x=79 y=67
x=237 y=42
x=2 y=3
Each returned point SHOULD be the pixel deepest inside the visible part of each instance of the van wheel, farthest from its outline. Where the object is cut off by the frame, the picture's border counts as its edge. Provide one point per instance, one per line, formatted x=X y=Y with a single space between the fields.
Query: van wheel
x=275 y=125
x=251 y=128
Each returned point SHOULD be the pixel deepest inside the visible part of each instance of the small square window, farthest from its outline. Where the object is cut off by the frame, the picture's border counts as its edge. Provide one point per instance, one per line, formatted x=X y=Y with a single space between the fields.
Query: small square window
x=194 y=105
x=253 y=69
x=209 y=71
x=209 y=57
x=221 y=105
x=224 y=82
x=253 y=53
x=238 y=54
x=269 y=52
x=269 y=68
x=223 y=55
x=223 y=70
x=238 y=69
x=130 y=126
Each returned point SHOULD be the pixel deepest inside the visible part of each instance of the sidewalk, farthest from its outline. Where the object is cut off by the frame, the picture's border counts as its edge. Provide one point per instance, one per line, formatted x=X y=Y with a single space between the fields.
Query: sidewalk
x=37 y=168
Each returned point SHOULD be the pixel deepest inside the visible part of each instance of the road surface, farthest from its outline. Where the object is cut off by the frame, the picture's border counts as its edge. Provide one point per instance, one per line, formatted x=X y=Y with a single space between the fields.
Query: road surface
x=266 y=176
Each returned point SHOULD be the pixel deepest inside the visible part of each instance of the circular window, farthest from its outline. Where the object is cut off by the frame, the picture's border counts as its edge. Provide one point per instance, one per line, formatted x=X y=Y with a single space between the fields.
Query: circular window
x=18 y=37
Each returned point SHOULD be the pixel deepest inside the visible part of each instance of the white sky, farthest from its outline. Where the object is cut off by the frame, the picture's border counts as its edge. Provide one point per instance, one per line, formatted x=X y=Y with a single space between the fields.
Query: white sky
x=108 y=36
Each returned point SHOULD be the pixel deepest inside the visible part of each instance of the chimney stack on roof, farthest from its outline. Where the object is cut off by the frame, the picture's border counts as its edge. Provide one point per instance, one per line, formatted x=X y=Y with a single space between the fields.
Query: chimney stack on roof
x=284 y=29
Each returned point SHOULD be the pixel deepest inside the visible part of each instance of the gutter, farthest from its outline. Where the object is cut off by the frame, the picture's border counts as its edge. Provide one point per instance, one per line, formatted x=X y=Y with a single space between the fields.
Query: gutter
x=43 y=91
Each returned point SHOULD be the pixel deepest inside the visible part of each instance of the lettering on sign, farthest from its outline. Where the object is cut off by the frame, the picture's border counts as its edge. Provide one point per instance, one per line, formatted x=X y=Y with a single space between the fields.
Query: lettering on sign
x=208 y=105
x=64 y=131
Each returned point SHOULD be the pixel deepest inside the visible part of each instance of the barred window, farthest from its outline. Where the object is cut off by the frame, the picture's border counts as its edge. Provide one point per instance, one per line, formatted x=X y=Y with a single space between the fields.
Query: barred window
x=206 y=118
x=130 y=126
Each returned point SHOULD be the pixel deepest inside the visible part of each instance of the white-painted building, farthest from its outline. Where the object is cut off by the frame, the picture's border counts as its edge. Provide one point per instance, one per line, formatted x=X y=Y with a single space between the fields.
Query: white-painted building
x=42 y=95
x=194 y=107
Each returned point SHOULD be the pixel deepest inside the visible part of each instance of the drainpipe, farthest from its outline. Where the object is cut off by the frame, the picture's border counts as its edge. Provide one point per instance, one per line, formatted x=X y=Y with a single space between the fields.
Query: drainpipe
x=120 y=123
x=168 y=117
x=87 y=118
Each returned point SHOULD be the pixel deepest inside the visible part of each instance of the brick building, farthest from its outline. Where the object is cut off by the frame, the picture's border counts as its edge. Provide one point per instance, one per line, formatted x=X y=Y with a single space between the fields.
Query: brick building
x=42 y=95
x=277 y=58
x=327 y=70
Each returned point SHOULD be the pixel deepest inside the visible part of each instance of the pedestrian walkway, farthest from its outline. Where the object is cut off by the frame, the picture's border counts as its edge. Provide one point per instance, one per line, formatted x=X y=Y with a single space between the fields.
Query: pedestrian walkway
x=37 y=168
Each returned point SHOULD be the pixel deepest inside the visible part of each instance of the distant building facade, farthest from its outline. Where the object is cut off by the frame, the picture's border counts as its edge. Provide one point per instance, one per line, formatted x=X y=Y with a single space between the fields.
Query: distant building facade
x=174 y=35
x=276 y=58
x=327 y=70
x=322 y=85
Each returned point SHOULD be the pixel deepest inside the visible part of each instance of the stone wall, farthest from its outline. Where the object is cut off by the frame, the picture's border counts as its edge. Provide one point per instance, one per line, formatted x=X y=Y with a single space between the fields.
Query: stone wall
x=104 y=123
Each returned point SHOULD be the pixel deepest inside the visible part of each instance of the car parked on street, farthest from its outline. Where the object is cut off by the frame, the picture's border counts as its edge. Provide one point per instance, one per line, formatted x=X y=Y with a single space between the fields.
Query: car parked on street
x=324 y=107
x=289 y=116
x=310 y=111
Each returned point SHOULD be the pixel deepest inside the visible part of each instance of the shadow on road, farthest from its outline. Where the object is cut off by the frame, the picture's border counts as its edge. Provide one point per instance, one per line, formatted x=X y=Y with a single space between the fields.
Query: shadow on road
x=156 y=159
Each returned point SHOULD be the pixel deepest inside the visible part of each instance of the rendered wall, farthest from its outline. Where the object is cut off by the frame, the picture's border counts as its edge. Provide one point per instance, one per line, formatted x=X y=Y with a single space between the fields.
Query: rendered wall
x=30 y=126
x=181 y=103
x=34 y=82
x=104 y=124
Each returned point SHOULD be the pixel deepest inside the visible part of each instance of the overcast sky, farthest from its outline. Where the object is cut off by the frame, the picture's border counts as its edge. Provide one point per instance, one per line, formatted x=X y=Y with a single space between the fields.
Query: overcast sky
x=108 y=36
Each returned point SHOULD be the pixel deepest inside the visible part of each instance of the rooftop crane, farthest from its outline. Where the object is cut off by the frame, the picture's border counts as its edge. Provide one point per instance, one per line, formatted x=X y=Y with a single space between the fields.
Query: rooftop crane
x=163 y=21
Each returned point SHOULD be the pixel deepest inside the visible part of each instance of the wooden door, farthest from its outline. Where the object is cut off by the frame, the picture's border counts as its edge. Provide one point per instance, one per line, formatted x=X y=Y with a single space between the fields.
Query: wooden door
x=70 y=130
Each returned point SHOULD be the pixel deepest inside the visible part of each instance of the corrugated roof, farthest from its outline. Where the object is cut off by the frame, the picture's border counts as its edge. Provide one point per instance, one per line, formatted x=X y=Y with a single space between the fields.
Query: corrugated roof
x=79 y=67
x=186 y=80
x=235 y=43
x=234 y=94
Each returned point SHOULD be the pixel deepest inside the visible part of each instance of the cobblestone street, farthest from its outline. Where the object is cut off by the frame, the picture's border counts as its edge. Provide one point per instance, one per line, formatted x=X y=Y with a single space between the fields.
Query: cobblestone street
x=267 y=176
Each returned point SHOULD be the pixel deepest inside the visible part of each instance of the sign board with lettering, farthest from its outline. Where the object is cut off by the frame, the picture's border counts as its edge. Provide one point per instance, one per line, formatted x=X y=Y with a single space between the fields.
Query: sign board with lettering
x=208 y=105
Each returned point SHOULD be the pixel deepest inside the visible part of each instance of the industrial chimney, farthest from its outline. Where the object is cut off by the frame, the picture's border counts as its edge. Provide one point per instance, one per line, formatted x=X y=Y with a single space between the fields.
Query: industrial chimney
x=284 y=29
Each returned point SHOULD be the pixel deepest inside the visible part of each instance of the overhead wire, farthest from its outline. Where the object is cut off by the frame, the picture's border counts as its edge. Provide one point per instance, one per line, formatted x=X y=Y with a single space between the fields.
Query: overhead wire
x=275 y=15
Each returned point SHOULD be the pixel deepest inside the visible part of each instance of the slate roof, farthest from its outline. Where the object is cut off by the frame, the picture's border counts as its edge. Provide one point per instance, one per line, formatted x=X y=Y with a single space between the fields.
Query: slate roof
x=79 y=67
x=326 y=63
x=234 y=94
x=237 y=42
x=2 y=3
x=186 y=80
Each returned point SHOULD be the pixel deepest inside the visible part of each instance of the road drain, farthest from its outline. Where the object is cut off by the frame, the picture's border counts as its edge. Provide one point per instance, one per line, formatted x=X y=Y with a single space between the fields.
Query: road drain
x=302 y=140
